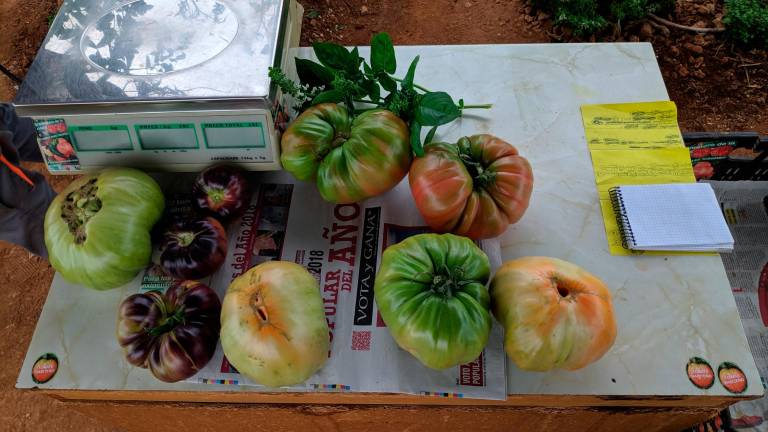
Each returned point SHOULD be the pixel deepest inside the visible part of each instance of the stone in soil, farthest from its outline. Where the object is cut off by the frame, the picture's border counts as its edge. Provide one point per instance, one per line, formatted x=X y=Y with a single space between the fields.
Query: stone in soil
x=696 y=49
x=646 y=31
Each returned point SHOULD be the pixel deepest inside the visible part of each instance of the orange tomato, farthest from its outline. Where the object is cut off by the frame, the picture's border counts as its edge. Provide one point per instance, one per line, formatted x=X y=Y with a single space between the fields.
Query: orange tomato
x=556 y=314
x=273 y=327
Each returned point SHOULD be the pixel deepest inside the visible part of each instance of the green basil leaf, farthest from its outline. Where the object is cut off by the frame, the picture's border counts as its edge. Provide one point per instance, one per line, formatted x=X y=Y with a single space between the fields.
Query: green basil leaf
x=436 y=108
x=430 y=135
x=333 y=55
x=408 y=80
x=313 y=74
x=360 y=89
x=383 y=53
x=373 y=90
x=333 y=96
x=367 y=68
x=355 y=60
x=387 y=82
x=418 y=149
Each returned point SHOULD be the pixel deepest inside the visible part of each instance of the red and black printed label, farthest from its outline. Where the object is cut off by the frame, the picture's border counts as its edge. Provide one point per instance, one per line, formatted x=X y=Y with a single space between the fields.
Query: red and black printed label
x=367 y=270
x=473 y=373
x=56 y=145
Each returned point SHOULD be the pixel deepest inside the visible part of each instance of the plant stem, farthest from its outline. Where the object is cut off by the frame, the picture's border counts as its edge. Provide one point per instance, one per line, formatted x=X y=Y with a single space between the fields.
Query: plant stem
x=414 y=85
x=369 y=102
x=478 y=106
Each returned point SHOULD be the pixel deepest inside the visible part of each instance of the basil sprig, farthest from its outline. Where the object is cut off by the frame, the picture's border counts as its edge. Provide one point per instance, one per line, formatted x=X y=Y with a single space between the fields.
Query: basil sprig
x=342 y=76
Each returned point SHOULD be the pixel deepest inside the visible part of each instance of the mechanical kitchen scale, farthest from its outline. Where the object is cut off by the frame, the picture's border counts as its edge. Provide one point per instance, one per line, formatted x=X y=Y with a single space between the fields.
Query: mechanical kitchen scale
x=160 y=84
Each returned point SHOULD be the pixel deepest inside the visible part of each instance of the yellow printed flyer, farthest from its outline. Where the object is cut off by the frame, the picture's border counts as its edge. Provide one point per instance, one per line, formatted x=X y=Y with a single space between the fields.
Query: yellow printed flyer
x=631 y=125
x=633 y=144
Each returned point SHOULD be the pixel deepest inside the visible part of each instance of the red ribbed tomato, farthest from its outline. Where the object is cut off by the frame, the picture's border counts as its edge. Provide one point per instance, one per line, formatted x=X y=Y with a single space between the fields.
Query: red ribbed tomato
x=474 y=188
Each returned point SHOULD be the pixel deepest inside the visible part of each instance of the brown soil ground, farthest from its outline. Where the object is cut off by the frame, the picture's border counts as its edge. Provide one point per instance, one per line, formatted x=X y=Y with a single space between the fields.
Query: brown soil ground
x=716 y=86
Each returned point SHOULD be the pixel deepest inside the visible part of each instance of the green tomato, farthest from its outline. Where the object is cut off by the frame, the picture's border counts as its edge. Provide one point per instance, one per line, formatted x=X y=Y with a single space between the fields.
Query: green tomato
x=349 y=159
x=430 y=291
x=97 y=230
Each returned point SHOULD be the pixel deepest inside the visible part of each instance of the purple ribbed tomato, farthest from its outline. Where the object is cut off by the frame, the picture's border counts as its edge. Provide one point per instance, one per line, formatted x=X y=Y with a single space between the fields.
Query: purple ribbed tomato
x=173 y=334
x=193 y=248
x=221 y=191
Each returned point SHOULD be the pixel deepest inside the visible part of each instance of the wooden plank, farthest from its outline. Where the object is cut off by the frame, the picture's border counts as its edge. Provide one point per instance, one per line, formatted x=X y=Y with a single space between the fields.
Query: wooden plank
x=547 y=401
x=238 y=418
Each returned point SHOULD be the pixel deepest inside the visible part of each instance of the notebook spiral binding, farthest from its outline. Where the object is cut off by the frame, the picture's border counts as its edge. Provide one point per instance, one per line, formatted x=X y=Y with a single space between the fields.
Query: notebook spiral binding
x=625 y=229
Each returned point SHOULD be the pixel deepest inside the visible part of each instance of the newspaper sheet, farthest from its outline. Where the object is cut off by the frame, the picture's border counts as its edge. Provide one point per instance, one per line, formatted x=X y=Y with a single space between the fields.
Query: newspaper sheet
x=341 y=246
x=745 y=206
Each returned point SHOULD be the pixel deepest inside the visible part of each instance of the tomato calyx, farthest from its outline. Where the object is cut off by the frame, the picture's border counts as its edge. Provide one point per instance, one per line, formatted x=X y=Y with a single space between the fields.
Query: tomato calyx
x=447 y=283
x=339 y=139
x=216 y=196
x=79 y=207
x=185 y=238
x=481 y=176
x=168 y=323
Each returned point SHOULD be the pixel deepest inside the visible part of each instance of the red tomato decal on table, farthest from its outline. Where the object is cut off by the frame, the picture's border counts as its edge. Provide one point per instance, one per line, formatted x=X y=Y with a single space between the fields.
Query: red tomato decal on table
x=45 y=368
x=700 y=373
x=732 y=377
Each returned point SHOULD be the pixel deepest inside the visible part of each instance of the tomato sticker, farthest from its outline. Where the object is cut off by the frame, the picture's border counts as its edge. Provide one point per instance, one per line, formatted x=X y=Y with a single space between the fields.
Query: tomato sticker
x=45 y=368
x=732 y=377
x=56 y=145
x=700 y=373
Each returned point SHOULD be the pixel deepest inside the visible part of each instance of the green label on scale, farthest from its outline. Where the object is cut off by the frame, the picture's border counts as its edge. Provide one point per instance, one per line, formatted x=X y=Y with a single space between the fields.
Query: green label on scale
x=232 y=125
x=167 y=136
x=234 y=135
x=99 y=128
x=100 y=138
x=166 y=126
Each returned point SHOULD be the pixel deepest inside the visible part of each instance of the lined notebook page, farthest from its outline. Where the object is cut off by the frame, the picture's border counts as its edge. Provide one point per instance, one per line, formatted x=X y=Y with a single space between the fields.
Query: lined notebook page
x=682 y=216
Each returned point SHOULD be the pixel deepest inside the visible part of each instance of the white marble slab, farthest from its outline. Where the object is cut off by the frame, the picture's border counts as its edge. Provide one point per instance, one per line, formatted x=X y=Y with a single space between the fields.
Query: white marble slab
x=668 y=308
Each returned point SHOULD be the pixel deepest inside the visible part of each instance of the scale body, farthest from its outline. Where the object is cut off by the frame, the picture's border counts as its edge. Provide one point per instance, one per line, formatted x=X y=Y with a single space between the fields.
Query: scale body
x=160 y=84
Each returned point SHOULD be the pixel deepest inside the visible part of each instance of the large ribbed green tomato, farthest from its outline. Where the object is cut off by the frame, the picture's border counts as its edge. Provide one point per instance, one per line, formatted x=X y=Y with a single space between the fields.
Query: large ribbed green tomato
x=97 y=229
x=430 y=291
x=349 y=159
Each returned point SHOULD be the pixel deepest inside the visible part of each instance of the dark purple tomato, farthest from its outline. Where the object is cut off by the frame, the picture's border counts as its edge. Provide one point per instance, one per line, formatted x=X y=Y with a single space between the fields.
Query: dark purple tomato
x=173 y=334
x=193 y=248
x=221 y=191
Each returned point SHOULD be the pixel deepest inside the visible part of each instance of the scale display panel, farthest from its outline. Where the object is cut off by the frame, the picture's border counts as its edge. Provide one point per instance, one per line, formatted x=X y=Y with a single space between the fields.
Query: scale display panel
x=101 y=138
x=170 y=85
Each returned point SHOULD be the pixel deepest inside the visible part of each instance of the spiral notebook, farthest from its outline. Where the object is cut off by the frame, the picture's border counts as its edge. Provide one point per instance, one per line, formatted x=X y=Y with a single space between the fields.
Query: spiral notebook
x=671 y=217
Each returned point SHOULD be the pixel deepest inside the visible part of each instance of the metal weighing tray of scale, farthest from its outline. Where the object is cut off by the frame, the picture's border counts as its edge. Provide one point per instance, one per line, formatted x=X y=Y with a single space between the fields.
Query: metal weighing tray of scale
x=160 y=84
